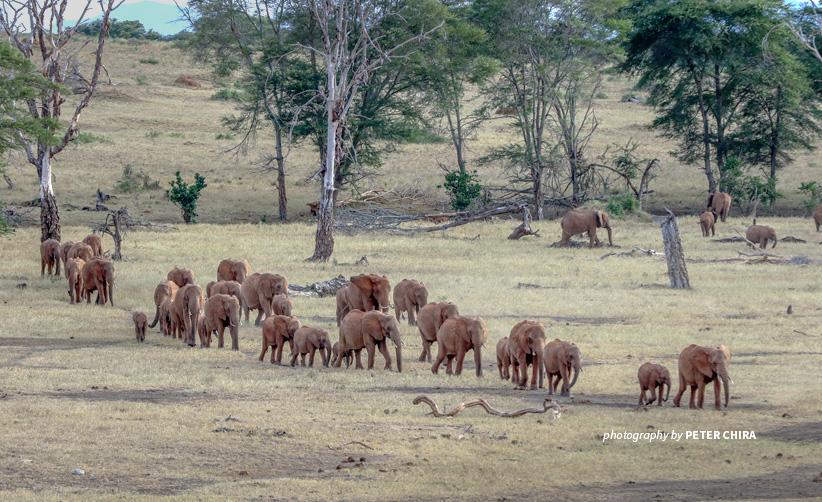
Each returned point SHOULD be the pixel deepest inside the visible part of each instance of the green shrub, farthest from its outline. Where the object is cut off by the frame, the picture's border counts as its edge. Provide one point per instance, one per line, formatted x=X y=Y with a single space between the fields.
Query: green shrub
x=149 y=61
x=176 y=134
x=601 y=95
x=745 y=190
x=133 y=181
x=223 y=135
x=142 y=80
x=227 y=94
x=812 y=191
x=463 y=188
x=154 y=134
x=87 y=137
x=5 y=227
x=620 y=205
x=185 y=196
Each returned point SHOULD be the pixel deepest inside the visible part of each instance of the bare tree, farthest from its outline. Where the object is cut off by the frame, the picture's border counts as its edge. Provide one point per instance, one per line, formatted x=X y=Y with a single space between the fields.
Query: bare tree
x=346 y=44
x=37 y=29
x=812 y=29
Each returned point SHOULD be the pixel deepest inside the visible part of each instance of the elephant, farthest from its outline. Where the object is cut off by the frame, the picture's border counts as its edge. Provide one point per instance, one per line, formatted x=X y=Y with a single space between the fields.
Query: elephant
x=185 y=312
x=817 y=216
x=699 y=365
x=219 y=311
x=650 y=377
x=64 y=249
x=233 y=270
x=308 y=341
x=719 y=203
x=503 y=359
x=140 y=322
x=181 y=276
x=232 y=288
x=559 y=357
x=259 y=291
x=50 y=257
x=337 y=353
x=430 y=318
x=74 y=273
x=526 y=344
x=455 y=338
x=369 y=330
x=95 y=242
x=80 y=250
x=364 y=292
x=165 y=290
x=98 y=274
x=578 y=222
x=761 y=234
x=276 y=330
x=166 y=316
x=281 y=305
x=409 y=296
x=706 y=222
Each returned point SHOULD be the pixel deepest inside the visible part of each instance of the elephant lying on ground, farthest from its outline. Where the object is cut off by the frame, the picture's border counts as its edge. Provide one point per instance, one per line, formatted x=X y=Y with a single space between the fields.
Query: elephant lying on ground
x=50 y=256
x=370 y=330
x=700 y=365
x=455 y=338
x=431 y=317
x=559 y=358
x=578 y=222
x=650 y=377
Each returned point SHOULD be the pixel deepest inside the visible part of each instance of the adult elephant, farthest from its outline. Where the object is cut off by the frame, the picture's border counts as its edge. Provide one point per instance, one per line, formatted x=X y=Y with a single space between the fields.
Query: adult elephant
x=64 y=249
x=364 y=292
x=761 y=234
x=526 y=344
x=259 y=291
x=165 y=290
x=455 y=338
x=431 y=317
x=560 y=357
x=720 y=203
x=409 y=296
x=370 y=330
x=699 y=365
x=95 y=242
x=232 y=288
x=276 y=330
x=233 y=270
x=578 y=222
x=50 y=257
x=220 y=311
x=81 y=250
x=650 y=377
x=98 y=275
x=186 y=309
x=308 y=341
x=74 y=275
x=181 y=276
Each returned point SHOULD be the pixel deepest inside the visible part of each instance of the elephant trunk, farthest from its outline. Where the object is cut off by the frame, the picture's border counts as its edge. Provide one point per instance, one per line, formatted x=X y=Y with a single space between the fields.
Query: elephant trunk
x=668 y=393
x=326 y=353
x=398 y=350
x=478 y=359
x=538 y=366
x=725 y=379
x=234 y=330
x=110 y=287
x=610 y=243
x=577 y=367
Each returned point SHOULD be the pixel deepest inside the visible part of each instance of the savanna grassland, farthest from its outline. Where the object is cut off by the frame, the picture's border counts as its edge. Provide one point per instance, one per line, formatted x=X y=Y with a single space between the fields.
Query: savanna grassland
x=149 y=421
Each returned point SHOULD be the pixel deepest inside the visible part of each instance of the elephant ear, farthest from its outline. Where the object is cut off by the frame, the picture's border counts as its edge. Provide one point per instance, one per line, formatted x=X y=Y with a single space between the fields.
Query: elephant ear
x=726 y=350
x=461 y=328
x=371 y=325
x=701 y=360
x=221 y=314
x=655 y=376
x=366 y=287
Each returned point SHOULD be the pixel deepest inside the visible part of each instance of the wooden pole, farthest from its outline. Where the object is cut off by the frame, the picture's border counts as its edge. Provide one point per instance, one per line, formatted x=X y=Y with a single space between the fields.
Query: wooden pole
x=677 y=271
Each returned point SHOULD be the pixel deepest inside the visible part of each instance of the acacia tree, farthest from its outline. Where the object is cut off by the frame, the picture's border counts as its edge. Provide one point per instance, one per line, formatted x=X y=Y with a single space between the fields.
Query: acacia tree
x=38 y=31
x=808 y=28
x=346 y=44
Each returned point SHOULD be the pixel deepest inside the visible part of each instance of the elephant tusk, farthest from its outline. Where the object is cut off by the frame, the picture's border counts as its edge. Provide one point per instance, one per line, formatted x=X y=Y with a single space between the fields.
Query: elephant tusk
x=404 y=345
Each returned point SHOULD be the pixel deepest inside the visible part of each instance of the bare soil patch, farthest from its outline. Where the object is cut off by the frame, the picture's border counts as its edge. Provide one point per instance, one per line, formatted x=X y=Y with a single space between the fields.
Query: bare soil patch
x=188 y=81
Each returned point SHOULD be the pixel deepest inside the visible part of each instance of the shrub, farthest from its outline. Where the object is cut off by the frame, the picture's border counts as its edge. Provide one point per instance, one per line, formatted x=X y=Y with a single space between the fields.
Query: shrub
x=812 y=191
x=463 y=188
x=87 y=137
x=746 y=190
x=621 y=205
x=154 y=134
x=223 y=135
x=149 y=61
x=142 y=80
x=185 y=196
x=601 y=95
x=133 y=181
x=227 y=94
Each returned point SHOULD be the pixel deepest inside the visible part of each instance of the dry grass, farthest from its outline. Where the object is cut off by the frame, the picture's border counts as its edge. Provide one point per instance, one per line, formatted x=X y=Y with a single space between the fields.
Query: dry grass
x=147 y=429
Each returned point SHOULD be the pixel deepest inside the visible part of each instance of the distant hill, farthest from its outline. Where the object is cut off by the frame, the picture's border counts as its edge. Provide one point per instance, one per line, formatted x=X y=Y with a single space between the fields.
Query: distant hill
x=162 y=18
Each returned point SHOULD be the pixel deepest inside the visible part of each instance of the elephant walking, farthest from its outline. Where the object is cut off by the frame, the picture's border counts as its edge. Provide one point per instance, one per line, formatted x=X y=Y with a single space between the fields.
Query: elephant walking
x=578 y=222
x=455 y=338
x=526 y=344
x=559 y=358
x=698 y=366
x=370 y=330
x=650 y=377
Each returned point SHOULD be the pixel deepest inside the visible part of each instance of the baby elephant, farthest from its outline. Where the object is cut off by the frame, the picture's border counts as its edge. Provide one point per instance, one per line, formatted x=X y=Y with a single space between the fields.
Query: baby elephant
x=706 y=222
x=140 y=323
x=650 y=377
x=761 y=234
x=337 y=352
x=308 y=341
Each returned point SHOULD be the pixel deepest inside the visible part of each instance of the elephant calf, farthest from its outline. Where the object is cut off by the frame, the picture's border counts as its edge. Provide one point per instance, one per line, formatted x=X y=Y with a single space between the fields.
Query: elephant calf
x=276 y=330
x=761 y=234
x=140 y=323
x=503 y=359
x=308 y=341
x=560 y=357
x=707 y=221
x=650 y=377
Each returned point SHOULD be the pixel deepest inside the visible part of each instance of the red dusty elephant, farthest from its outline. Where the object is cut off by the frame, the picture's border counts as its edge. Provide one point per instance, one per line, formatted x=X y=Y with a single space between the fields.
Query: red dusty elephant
x=431 y=317
x=560 y=358
x=578 y=222
x=98 y=275
x=277 y=329
x=455 y=338
x=50 y=256
x=707 y=222
x=308 y=340
x=259 y=291
x=761 y=234
x=364 y=292
x=74 y=275
x=233 y=270
x=165 y=290
x=186 y=309
x=700 y=365
x=720 y=203
x=181 y=276
x=370 y=330
x=650 y=377
x=221 y=311
x=526 y=344
x=95 y=242
x=503 y=359
x=409 y=296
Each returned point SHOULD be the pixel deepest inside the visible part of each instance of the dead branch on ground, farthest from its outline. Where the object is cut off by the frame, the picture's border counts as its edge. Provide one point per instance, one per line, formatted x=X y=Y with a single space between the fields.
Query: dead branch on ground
x=435 y=410
x=340 y=447
x=525 y=227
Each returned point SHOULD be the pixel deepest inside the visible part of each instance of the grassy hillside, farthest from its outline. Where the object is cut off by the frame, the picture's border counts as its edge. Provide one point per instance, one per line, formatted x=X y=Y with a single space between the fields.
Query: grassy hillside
x=148 y=123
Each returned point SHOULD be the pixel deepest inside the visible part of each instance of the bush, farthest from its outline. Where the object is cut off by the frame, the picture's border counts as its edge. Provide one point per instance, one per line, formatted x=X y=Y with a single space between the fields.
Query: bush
x=812 y=191
x=134 y=181
x=149 y=61
x=142 y=80
x=746 y=190
x=87 y=137
x=223 y=135
x=227 y=94
x=185 y=196
x=620 y=205
x=601 y=95
x=463 y=188
x=5 y=227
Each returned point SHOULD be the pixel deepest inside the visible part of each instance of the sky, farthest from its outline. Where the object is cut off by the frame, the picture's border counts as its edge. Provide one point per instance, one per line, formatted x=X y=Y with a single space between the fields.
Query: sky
x=75 y=7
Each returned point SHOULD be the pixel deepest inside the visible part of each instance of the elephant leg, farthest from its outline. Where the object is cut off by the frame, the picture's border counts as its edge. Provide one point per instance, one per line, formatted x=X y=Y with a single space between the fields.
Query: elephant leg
x=701 y=395
x=358 y=359
x=692 y=405
x=438 y=361
x=385 y=354
x=460 y=360
x=265 y=349
x=641 y=395
x=425 y=349
x=302 y=360
x=713 y=230
x=273 y=353
x=653 y=395
x=411 y=320
x=280 y=345
x=449 y=365
x=259 y=315
x=311 y=357
x=293 y=358
x=592 y=238
x=370 y=347
x=220 y=332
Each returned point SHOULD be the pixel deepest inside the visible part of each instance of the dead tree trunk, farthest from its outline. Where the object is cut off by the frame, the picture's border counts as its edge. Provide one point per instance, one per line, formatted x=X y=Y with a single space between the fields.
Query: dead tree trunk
x=677 y=271
x=525 y=228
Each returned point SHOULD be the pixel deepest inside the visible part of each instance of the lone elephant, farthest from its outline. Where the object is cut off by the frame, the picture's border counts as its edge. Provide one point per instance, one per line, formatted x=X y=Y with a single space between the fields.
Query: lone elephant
x=761 y=234
x=50 y=257
x=370 y=330
x=526 y=344
x=578 y=222
x=700 y=365
x=650 y=377
x=720 y=203
x=364 y=292
x=259 y=291
x=307 y=341
x=140 y=321
x=560 y=357
x=409 y=296
x=233 y=270
x=98 y=275
x=707 y=221
x=276 y=330
x=431 y=317
x=221 y=311
x=455 y=338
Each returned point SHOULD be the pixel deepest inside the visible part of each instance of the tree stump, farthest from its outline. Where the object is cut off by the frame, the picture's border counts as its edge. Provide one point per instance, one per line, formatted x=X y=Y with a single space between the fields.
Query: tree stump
x=677 y=271
x=525 y=228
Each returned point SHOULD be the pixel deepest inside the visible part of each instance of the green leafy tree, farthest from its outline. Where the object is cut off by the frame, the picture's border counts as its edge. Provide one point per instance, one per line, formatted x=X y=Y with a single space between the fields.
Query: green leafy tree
x=463 y=188
x=185 y=196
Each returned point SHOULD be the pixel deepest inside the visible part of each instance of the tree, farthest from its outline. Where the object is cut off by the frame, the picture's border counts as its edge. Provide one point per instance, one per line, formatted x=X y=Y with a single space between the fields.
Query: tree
x=50 y=43
x=698 y=58
x=347 y=42
x=807 y=28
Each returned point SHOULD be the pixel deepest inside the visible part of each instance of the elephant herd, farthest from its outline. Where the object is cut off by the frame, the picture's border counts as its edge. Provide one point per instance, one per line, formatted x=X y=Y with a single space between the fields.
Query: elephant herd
x=718 y=206
x=85 y=268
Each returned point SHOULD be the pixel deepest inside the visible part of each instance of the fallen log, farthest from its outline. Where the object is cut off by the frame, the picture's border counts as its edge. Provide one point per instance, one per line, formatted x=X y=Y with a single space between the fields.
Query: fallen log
x=435 y=410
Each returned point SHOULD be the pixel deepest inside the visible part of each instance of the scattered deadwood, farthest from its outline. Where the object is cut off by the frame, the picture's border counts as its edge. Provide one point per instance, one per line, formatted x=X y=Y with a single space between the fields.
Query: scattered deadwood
x=801 y=333
x=791 y=238
x=526 y=285
x=8 y=181
x=15 y=216
x=469 y=217
x=117 y=225
x=340 y=447
x=581 y=243
x=729 y=239
x=637 y=249
x=677 y=271
x=525 y=227
x=322 y=289
x=435 y=410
